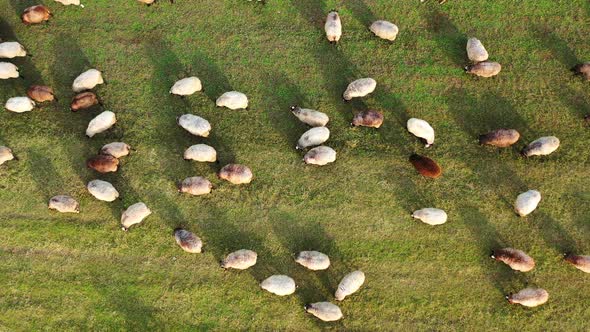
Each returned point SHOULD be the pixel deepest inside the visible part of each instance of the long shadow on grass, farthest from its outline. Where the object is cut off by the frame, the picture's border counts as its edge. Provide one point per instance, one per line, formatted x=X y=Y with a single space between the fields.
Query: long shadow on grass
x=19 y=6
x=446 y=35
x=215 y=83
x=361 y=12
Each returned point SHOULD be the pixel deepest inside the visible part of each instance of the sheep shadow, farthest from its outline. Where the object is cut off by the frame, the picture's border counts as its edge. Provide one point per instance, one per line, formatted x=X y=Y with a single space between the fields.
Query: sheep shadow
x=312 y=10
x=446 y=35
x=19 y=6
x=215 y=83
x=44 y=173
x=361 y=12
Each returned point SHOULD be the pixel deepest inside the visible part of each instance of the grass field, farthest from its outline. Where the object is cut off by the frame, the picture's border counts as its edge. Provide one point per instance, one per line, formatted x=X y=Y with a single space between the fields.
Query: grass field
x=81 y=272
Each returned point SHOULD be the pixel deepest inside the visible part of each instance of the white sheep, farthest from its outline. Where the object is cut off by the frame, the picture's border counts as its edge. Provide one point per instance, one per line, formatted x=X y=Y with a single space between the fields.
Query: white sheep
x=310 y=117
x=236 y=174
x=233 y=100
x=518 y=260
x=100 y=123
x=5 y=154
x=475 y=50
x=240 y=260
x=64 y=204
x=484 y=69
x=541 y=147
x=581 y=263
x=359 y=88
x=102 y=190
x=70 y=2
x=326 y=311
x=11 y=50
x=529 y=297
x=351 y=283
x=201 y=152
x=280 y=285
x=320 y=156
x=421 y=129
x=196 y=185
x=312 y=137
x=134 y=215
x=527 y=202
x=431 y=216
x=8 y=70
x=313 y=260
x=195 y=125
x=333 y=27
x=384 y=29
x=186 y=86
x=87 y=80
x=20 y=104
x=115 y=149
x=188 y=241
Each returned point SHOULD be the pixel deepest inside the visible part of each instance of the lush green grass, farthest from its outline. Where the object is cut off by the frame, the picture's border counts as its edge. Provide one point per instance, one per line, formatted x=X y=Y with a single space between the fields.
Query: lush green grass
x=72 y=272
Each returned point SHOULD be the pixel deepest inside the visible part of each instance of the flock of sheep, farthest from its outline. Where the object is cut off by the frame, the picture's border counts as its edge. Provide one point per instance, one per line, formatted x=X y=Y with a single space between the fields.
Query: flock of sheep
x=107 y=159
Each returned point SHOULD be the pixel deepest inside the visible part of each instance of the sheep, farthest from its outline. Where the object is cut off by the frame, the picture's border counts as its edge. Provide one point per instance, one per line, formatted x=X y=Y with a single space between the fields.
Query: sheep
x=201 y=152
x=359 y=88
x=527 y=202
x=70 y=2
x=384 y=30
x=188 y=241
x=518 y=260
x=426 y=166
x=235 y=173
x=476 y=52
x=484 y=69
x=421 y=129
x=310 y=117
x=134 y=214
x=102 y=190
x=349 y=284
x=11 y=50
x=280 y=285
x=41 y=93
x=195 y=125
x=84 y=100
x=8 y=70
x=195 y=185
x=19 y=104
x=313 y=260
x=431 y=216
x=501 y=138
x=529 y=297
x=64 y=204
x=333 y=27
x=320 y=156
x=312 y=137
x=326 y=311
x=240 y=260
x=6 y=154
x=115 y=149
x=582 y=69
x=87 y=80
x=233 y=100
x=36 y=14
x=541 y=147
x=100 y=123
x=186 y=86
x=103 y=163
x=580 y=262
x=150 y=2
x=368 y=118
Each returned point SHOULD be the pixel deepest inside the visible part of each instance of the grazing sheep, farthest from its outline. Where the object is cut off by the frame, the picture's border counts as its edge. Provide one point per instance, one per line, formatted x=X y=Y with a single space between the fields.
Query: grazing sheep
x=484 y=69
x=313 y=260
x=580 y=262
x=325 y=311
x=35 y=14
x=188 y=241
x=233 y=100
x=359 y=88
x=64 y=204
x=186 y=86
x=41 y=93
x=368 y=118
x=541 y=147
x=582 y=69
x=134 y=215
x=20 y=104
x=384 y=29
x=5 y=154
x=240 y=260
x=69 y=2
x=310 y=117
x=11 y=50
x=8 y=70
x=426 y=166
x=236 y=174
x=195 y=125
x=196 y=185
x=84 y=100
x=350 y=284
x=201 y=152
x=529 y=297
x=527 y=202
x=320 y=156
x=100 y=123
x=501 y=138
x=431 y=216
x=280 y=285
x=150 y=2
x=333 y=27
x=517 y=259
x=102 y=190
x=312 y=137
x=115 y=149
x=87 y=80
x=475 y=50
x=421 y=129
x=103 y=163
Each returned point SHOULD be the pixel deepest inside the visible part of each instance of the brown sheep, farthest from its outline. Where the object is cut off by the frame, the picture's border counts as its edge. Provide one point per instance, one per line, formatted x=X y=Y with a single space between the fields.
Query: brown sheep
x=84 y=100
x=426 y=166
x=41 y=93
x=582 y=263
x=501 y=138
x=36 y=14
x=582 y=69
x=368 y=118
x=235 y=173
x=103 y=163
x=517 y=259
x=484 y=69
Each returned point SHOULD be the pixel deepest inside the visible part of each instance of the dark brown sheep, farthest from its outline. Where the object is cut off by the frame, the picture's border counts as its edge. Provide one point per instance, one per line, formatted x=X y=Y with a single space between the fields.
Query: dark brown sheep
x=368 y=118
x=41 y=93
x=103 y=163
x=84 y=100
x=36 y=14
x=426 y=166
x=501 y=138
